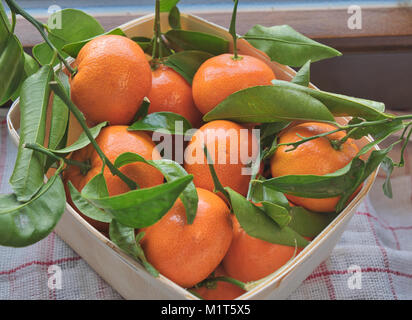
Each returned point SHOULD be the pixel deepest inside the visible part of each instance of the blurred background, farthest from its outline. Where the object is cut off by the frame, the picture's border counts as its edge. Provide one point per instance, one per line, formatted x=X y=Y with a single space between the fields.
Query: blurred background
x=374 y=36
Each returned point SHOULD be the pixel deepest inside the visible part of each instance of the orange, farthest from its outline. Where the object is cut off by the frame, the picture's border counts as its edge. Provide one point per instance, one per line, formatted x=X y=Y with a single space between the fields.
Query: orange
x=171 y=92
x=223 y=290
x=316 y=157
x=225 y=141
x=113 y=78
x=251 y=259
x=115 y=140
x=220 y=76
x=188 y=254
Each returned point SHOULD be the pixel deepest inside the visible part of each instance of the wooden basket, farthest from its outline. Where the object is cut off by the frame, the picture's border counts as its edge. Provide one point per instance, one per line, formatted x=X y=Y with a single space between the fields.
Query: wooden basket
x=126 y=275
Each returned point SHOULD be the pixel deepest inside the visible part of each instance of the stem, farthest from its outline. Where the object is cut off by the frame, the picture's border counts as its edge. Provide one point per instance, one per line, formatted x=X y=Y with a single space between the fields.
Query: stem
x=13 y=21
x=157 y=50
x=59 y=91
x=350 y=127
x=14 y=7
x=304 y=140
x=232 y=30
x=211 y=281
x=84 y=166
x=337 y=144
x=404 y=145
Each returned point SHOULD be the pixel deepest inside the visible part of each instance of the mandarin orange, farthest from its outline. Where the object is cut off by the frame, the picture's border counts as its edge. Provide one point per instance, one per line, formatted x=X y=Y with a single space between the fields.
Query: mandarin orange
x=188 y=254
x=220 y=76
x=170 y=92
x=112 y=79
x=229 y=145
x=317 y=157
x=250 y=259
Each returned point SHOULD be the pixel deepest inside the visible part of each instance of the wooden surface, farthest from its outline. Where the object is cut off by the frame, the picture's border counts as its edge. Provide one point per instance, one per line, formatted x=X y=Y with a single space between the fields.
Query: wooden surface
x=379 y=23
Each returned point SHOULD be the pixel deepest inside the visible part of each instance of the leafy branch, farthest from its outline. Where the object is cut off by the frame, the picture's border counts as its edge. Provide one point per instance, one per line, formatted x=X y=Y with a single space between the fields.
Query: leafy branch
x=16 y=9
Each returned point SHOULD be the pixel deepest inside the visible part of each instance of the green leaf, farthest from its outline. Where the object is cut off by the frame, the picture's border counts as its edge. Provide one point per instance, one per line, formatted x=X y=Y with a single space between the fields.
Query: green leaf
x=28 y=173
x=96 y=187
x=83 y=140
x=73 y=48
x=86 y=207
x=164 y=122
x=309 y=224
x=174 y=18
x=143 y=110
x=258 y=225
x=25 y=223
x=287 y=46
x=269 y=104
x=277 y=213
x=338 y=104
x=4 y=27
x=319 y=186
x=59 y=115
x=260 y=193
x=143 y=207
x=186 y=63
x=11 y=68
x=171 y=171
x=192 y=40
x=167 y=5
x=388 y=166
x=124 y=238
x=303 y=76
x=377 y=131
x=375 y=159
x=144 y=43
x=268 y=137
x=76 y=26
x=30 y=67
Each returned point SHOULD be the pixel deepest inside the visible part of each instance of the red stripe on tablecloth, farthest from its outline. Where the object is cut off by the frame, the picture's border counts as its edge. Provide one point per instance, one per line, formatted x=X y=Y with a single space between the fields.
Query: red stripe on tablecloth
x=385 y=225
x=3 y=148
x=328 y=280
x=383 y=251
x=40 y=263
x=329 y=273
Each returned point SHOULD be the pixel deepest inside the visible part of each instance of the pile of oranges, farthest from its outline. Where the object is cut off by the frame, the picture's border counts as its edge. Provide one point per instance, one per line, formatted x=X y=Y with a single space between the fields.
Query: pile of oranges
x=113 y=78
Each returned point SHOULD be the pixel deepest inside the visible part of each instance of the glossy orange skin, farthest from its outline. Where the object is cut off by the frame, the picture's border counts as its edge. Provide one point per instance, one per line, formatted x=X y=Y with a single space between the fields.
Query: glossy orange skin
x=113 y=78
x=220 y=76
x=251 y=259
x=170 y=92
x=188 y=254
x=115 y=140
x=316 y=157
x=229 y=174
x=223 y=290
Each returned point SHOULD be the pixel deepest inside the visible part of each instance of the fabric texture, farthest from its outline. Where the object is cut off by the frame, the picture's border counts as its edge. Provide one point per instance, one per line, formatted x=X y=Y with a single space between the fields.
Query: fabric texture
x=377 y=244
